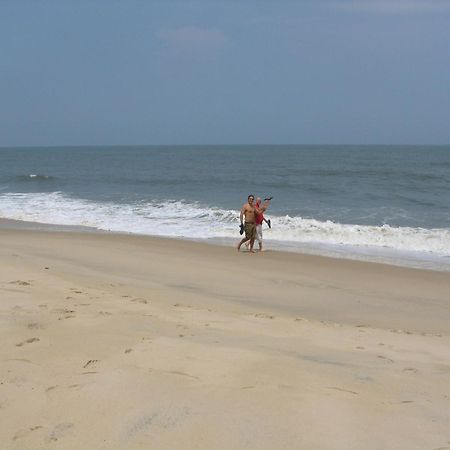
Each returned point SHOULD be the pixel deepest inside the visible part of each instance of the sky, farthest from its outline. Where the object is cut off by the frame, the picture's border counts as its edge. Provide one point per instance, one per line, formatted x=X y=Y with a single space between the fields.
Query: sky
x=135 y=72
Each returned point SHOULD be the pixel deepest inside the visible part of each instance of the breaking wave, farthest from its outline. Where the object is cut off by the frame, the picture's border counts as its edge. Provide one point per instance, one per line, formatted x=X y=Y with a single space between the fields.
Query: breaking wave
x=175 y=218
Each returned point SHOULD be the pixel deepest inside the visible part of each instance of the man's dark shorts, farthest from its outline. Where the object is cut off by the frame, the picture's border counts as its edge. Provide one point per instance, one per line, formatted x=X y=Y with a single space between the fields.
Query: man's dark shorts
x=250 y=230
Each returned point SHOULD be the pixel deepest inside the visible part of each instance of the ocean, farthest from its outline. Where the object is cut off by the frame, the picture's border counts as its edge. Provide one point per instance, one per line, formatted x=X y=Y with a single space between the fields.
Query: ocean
x=377 y=203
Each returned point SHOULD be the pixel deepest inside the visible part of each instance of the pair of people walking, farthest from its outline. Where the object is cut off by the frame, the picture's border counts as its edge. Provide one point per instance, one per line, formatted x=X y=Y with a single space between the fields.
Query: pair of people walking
x=253 y=213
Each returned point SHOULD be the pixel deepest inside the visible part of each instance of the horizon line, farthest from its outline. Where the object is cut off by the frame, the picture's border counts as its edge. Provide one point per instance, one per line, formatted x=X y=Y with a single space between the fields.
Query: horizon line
x=3 y=147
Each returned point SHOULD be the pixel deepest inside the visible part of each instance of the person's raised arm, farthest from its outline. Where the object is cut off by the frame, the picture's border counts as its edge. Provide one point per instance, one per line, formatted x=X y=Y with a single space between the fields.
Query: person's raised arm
x=264 y=206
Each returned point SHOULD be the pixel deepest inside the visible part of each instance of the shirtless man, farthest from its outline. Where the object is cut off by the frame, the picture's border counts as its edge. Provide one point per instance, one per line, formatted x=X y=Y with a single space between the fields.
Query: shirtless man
x=248 y=212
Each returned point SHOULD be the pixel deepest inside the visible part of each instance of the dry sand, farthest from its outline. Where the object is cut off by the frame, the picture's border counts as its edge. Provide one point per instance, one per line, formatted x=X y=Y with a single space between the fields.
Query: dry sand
x=125 y=342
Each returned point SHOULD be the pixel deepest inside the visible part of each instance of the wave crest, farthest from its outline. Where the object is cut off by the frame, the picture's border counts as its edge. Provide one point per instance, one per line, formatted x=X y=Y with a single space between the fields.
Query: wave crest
x=192 y=220
x=34 y=177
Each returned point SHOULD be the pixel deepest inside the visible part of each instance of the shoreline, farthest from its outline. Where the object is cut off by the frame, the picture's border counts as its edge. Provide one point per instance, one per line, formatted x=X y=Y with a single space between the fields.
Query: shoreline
x=123 y=341
x=374 y=276
x=413 y=260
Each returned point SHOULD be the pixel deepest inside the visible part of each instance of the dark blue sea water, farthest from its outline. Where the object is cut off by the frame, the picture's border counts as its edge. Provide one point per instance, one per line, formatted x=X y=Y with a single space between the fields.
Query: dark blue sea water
x=351 y=199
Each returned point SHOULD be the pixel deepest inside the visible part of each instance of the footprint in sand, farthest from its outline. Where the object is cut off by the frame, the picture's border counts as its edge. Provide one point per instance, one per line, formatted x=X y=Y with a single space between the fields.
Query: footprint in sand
x=162 y=420
x=264 y=316
x=140 y=425
x=76 y=291
x=28 y=341
x=128 y=350
x=398 y=331
x=140 y=300
x=388 y=360
x=183 y=374
x=34 y=326
x=20 y=360
x=63 y=310
x=336 y=388
x=91 y=362
x=25 y=432
x=410 y=370
x=21 y=283
x=59 y=431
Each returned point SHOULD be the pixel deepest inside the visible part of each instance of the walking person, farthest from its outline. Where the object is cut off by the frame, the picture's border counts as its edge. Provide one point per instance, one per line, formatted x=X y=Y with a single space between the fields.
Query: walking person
x=248 y=212
x=259 y=219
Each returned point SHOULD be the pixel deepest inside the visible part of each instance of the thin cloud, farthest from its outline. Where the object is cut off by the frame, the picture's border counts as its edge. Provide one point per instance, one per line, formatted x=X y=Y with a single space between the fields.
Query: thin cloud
x=395 y=6
x=193 y=40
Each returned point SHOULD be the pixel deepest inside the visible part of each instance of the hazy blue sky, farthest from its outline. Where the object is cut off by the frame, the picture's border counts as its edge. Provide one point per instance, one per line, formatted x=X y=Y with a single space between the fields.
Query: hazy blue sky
x=177 y=72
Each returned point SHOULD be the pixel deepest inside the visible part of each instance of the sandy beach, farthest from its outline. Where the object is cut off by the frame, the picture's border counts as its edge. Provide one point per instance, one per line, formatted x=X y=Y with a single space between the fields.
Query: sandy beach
x=127 y=342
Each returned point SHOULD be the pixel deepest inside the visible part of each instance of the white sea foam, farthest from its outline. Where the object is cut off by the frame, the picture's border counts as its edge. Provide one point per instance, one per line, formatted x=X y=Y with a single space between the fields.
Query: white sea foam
x=170 y=218
x=194 y=221
x=34 y=176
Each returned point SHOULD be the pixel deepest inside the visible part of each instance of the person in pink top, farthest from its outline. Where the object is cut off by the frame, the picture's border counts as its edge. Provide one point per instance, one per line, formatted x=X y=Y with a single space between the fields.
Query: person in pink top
x=259 y=220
